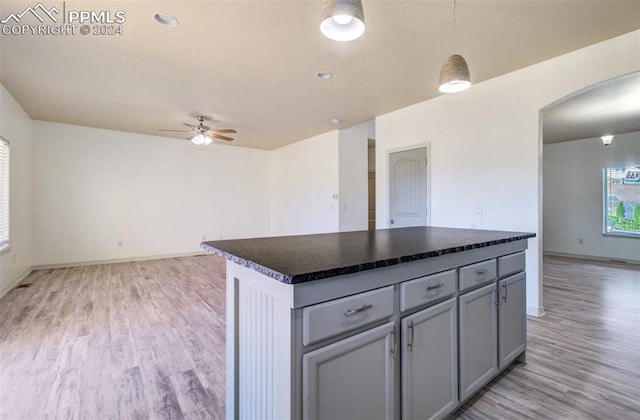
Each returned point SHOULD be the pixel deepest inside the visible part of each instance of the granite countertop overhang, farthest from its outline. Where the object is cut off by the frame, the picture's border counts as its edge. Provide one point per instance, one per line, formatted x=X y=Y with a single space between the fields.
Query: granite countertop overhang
x=302 y=258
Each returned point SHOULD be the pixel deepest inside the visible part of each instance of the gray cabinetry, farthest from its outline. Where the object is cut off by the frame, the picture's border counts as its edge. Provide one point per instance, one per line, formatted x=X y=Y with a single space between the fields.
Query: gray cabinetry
x=430 y=362
x=478 y=338
x=369 y=334
x=512 y=323
x=352 y=378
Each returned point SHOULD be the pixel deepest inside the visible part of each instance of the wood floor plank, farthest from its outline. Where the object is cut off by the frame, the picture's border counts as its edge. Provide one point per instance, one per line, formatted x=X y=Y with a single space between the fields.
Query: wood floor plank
x=583 y=357
x=146 y=340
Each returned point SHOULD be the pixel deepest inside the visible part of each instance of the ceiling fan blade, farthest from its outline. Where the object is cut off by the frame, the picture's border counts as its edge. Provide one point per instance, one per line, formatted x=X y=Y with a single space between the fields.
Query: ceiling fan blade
x=226 y=130
x=191 y=126
x=176 y=131
x=218 y=136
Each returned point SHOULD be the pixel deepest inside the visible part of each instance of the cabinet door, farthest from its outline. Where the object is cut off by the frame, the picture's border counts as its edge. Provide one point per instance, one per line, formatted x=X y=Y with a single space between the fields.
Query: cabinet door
x=512 y=319
x=351 y=379
x=430 y=362
x=478 y=339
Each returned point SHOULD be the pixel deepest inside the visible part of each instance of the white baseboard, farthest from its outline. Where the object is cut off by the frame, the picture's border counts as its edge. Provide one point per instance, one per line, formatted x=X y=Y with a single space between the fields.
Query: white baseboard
x=591 y=257
x=535 y=311
x=15 y=281
x=118 y=260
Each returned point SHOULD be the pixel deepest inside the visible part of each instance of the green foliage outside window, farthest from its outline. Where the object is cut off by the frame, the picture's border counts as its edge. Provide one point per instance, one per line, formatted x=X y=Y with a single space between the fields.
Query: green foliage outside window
x=622 y=200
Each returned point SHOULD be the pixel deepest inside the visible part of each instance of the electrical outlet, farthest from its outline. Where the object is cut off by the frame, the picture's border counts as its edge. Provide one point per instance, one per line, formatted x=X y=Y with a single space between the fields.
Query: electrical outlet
x=581 y=241
x=479 y=208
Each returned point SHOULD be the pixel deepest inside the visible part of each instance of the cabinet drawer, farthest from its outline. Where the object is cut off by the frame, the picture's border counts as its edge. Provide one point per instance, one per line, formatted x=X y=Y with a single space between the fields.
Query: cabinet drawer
x=510 y=264
x=427 y=289
x=337 y=316
x=477 y=274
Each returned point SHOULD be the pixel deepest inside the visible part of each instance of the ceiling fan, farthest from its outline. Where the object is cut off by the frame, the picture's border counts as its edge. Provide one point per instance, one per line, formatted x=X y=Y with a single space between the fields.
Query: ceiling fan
x=202 y=134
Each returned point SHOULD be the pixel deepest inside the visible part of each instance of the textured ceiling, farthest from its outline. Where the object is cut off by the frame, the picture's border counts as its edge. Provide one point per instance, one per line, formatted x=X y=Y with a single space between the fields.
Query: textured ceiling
x=611 y=107
x=251 y=65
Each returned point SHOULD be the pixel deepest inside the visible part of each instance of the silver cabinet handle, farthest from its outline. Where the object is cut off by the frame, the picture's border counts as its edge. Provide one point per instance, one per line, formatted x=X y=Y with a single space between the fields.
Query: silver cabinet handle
x=481 y=272
x=393 y=343
x=435 y=286
x=363 y=308
x=410 y=343
x=506 y=292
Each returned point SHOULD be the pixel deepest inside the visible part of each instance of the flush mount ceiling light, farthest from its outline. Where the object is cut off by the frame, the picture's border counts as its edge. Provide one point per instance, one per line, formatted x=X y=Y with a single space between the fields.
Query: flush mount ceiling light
x=323 y=75
x=342 y=20
x=607 y=140
x=336 y=121
x=165 y=19
x=454 y=75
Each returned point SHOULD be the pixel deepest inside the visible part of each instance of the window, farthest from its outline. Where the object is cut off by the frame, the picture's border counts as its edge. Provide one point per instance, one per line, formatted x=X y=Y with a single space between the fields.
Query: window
x=4 y=193
x=622 y=201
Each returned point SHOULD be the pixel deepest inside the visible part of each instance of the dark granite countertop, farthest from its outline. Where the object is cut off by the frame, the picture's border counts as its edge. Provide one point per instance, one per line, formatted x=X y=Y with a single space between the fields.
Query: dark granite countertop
x=298 y=259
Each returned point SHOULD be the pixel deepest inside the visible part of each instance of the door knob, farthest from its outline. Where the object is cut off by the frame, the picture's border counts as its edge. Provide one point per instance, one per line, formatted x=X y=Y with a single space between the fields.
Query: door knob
x=390 y=221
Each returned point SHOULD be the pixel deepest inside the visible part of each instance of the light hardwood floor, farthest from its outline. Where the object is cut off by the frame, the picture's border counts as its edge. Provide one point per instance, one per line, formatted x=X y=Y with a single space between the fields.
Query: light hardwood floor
x=146 y=340
x=133 y=340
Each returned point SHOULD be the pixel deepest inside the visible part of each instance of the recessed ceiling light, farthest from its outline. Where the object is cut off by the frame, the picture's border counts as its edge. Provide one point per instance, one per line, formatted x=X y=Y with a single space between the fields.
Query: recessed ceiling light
x=323 y=75
x=336 y=120
x=165 y=19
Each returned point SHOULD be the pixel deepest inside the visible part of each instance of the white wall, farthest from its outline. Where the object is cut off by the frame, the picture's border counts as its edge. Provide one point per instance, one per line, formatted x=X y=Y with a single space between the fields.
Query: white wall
x=353 y=177
x=485 y=144
x=15 y=126
x=93 y=188
x=304 y=181
x=573 y=194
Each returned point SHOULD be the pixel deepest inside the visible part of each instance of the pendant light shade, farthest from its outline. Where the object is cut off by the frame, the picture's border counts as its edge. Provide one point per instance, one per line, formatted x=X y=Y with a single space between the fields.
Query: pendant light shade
x=607 y=140
x=342 y=20
x=454 y=75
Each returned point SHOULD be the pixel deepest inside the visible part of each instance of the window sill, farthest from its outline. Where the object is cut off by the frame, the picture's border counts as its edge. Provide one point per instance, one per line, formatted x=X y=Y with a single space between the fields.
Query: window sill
x=5 y=249
x=622 y=235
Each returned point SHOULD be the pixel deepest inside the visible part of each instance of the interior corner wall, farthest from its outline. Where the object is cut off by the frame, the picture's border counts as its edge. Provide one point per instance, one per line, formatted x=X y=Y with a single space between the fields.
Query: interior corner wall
x=15 y=126
x=102 y=195
x=353 y=177
x=486 y=144
x=304 y=186
x=573 y=197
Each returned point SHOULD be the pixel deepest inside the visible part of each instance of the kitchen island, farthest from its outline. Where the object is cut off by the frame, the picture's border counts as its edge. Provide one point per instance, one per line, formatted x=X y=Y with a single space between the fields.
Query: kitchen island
x=398 y=323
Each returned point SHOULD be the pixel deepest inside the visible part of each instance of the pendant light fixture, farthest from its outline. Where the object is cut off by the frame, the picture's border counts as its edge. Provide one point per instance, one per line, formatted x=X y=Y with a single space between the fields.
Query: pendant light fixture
x=342 y=20
x=454 y=75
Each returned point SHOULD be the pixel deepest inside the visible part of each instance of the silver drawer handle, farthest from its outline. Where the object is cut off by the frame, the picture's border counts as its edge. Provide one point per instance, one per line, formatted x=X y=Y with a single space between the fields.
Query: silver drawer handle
x=481 y=272
x=435 y=286
x=363 y=308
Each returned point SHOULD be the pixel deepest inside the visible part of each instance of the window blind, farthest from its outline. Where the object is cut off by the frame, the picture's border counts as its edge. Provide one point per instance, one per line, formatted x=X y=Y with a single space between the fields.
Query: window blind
x=4 y=193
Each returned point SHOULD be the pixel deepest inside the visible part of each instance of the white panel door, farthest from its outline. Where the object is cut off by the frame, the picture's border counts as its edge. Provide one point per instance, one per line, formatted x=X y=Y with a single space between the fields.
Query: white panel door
x=408 y=188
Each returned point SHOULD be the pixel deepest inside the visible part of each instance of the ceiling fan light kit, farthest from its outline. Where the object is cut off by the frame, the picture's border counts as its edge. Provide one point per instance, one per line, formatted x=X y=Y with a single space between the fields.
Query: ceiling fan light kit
x=203 y=135
x=342 y=20
x=201 y=140
x=454 y=74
